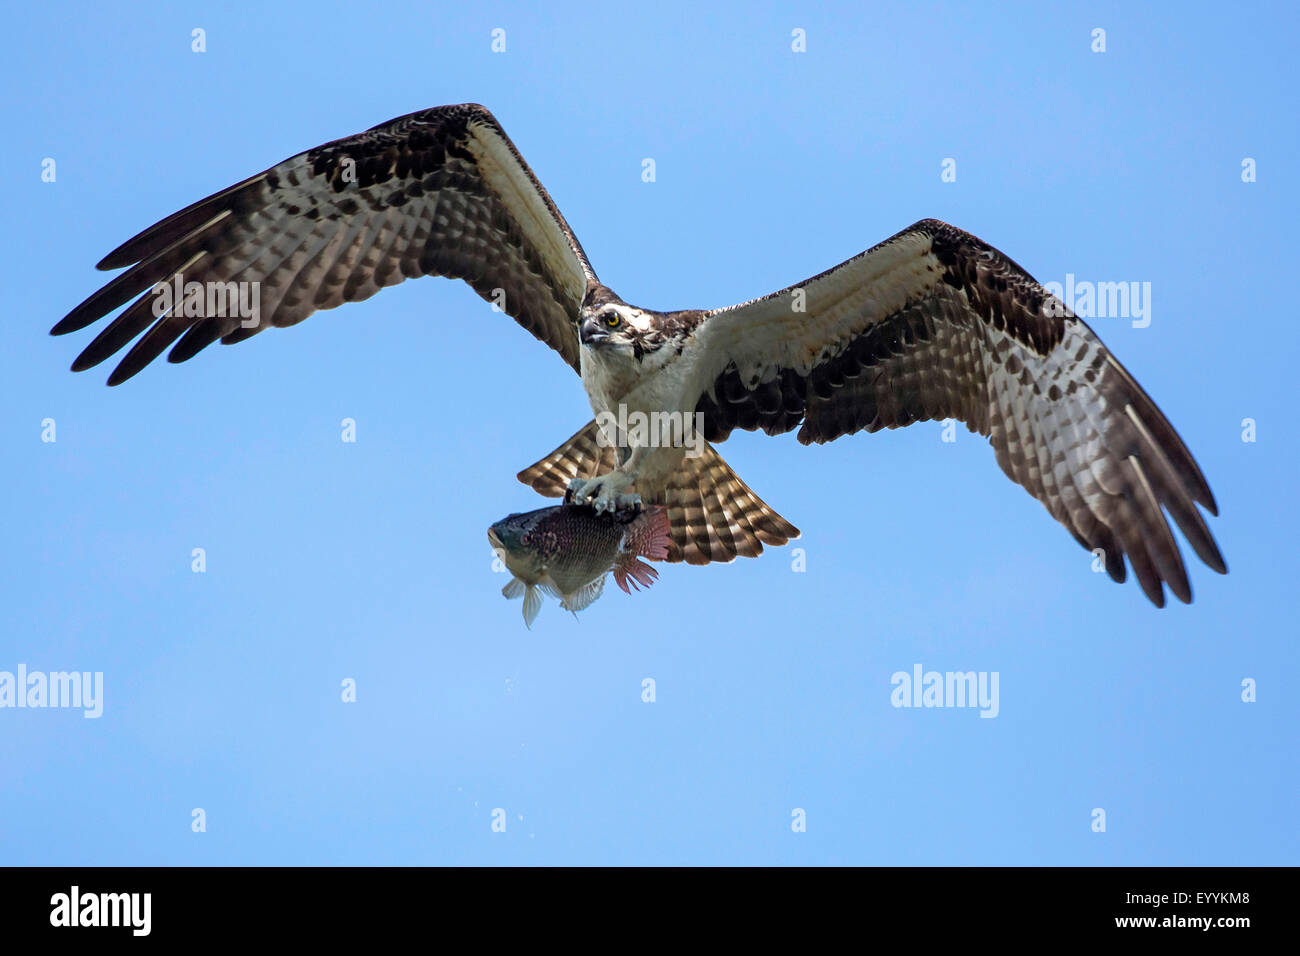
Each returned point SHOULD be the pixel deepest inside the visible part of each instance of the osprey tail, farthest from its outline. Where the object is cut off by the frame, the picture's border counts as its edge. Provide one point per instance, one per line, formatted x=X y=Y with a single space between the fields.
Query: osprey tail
x=712 y=514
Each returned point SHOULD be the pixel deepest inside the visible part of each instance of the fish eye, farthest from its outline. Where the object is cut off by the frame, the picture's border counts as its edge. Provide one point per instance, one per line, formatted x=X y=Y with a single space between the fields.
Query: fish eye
x=527 y=539
x=611 y=319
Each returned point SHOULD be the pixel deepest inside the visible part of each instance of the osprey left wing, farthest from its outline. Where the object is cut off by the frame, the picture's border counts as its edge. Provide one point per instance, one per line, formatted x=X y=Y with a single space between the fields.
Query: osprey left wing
x=933 y=324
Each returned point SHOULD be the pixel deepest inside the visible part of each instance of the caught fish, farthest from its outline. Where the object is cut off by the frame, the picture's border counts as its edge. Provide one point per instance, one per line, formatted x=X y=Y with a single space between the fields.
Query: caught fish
x=566 y=551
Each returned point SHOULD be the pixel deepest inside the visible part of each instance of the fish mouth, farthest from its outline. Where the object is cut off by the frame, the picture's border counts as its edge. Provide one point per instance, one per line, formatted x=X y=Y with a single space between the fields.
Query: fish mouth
x=494 y=540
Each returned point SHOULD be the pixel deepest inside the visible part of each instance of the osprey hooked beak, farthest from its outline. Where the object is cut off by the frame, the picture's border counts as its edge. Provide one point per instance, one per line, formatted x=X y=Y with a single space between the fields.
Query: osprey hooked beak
x=592 y=331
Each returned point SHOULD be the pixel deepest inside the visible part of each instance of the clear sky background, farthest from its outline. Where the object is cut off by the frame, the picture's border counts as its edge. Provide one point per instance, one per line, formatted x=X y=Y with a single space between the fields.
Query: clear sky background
x=328 y=561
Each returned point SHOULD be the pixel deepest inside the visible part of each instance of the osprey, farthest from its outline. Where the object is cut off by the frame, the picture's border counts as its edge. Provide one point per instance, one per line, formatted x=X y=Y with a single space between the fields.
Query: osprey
x=929 y=324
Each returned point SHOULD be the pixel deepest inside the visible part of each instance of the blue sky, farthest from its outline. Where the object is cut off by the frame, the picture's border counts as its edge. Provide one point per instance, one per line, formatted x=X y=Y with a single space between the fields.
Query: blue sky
x=368 y=561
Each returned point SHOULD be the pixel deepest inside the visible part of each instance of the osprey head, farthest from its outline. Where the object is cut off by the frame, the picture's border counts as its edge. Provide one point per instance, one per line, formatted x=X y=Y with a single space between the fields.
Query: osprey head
x=606 y=321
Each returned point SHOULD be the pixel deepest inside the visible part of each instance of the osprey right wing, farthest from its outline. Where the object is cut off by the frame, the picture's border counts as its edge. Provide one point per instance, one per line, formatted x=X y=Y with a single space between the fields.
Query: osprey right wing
x=439 y=192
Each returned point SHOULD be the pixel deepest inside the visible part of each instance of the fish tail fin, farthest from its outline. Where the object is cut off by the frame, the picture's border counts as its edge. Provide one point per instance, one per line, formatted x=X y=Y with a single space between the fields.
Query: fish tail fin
x=582 y=456
x=532 y=604
x=714 y=516
x=648 y=536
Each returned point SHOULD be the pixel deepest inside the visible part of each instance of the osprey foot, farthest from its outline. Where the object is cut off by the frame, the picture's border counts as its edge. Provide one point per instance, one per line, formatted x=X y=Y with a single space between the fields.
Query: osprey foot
x=605 y=493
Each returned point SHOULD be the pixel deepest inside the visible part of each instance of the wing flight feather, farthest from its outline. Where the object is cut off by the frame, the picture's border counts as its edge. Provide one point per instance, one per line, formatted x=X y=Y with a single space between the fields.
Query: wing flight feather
x=438 y=192
x=935 y=324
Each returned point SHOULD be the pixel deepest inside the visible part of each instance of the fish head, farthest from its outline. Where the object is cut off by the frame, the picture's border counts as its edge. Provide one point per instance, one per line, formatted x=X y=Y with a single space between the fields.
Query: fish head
x=518 y=542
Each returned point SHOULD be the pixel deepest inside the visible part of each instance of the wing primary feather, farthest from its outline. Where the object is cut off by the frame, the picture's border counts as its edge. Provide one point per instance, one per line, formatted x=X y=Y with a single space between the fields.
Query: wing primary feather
x=441 y=192
x=934 y=323
x=175 y=228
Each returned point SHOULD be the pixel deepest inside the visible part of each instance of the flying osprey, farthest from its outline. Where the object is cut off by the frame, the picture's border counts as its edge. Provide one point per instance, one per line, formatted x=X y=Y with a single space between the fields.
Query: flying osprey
x=929 y=324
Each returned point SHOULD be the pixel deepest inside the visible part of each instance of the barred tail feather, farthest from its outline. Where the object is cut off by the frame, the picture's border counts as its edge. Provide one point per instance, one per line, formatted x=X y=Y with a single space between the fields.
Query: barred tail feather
x=580 y=457
x=715 y=517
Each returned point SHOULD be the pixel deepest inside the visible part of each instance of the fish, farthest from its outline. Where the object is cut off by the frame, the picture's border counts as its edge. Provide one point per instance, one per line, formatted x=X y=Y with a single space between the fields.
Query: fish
x=566 y=551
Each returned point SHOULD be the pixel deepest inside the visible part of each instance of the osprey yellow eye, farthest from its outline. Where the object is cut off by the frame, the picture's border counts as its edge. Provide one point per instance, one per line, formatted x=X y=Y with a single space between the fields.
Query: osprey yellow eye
x=611 y=319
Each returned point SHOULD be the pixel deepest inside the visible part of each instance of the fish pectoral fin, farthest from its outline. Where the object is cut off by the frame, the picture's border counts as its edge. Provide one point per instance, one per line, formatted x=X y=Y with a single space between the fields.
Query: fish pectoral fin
x=532 y=604
x=583 y=597
x=514 y=589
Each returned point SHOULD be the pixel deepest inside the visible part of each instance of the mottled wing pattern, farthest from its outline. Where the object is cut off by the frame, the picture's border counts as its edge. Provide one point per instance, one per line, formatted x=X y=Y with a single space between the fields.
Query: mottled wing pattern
x=934 y=324
x=439 y=192
x=713 y=516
